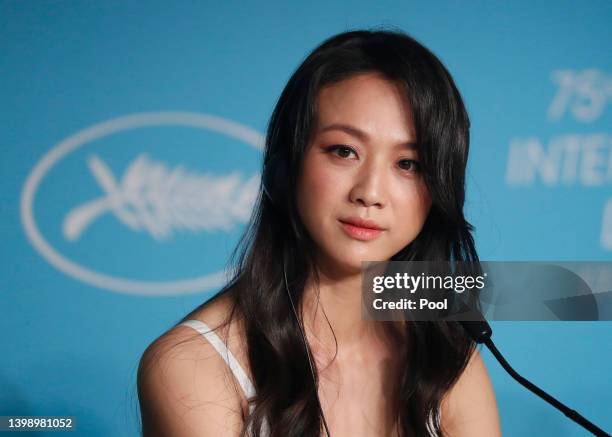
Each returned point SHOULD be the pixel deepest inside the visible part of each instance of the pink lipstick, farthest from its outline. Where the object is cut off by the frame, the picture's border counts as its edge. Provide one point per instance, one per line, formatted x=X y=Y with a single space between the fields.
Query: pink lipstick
x=361 y=229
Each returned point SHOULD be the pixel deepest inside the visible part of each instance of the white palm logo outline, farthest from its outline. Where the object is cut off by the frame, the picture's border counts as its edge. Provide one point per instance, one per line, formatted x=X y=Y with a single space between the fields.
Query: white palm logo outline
x=83 y=138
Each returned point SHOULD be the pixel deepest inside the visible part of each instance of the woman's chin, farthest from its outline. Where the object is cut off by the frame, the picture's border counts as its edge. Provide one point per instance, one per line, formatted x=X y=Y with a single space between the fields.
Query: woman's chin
x=349 y=266
x=346 y=262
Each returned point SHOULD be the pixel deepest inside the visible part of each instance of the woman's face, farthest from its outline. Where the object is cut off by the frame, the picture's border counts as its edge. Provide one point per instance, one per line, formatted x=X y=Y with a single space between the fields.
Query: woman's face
x=361 y=164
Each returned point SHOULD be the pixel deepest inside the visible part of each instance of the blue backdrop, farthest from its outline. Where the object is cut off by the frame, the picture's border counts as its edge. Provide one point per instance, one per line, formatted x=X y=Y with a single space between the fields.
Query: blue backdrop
x=118 y=116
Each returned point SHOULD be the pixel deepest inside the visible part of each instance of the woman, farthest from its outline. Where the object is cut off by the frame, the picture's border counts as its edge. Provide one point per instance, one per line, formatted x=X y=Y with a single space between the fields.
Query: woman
x=365 y=160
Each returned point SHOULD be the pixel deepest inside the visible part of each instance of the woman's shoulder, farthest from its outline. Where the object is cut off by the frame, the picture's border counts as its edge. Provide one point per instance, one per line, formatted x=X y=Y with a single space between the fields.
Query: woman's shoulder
x=227 y=323
x=184 y=342
x=184 y=382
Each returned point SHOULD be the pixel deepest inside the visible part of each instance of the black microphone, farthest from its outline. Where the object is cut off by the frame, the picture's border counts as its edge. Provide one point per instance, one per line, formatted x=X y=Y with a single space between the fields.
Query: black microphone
x=480 y=331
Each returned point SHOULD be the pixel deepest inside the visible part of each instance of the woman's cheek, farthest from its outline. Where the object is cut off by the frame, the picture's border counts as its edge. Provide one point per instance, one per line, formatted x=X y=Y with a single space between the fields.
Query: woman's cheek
x=419 y=196
x=316 y=186
x=324 y=180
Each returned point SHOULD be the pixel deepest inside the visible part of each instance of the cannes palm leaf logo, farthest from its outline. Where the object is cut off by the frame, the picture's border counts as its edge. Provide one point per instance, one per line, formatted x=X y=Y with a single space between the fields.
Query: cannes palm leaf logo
x=152 y=197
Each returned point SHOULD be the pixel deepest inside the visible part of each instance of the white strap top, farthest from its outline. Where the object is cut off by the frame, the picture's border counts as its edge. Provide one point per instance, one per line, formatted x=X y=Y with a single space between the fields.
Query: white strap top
x=245 y=383
x=237 y=370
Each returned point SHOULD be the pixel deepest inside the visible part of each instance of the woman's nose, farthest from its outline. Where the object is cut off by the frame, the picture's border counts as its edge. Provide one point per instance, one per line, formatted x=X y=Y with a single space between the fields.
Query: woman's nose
x=369 y=185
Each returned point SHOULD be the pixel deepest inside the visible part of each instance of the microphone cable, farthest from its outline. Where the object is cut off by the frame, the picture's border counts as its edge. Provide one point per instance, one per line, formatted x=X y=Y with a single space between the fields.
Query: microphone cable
x=481 y=332
x=303 y=335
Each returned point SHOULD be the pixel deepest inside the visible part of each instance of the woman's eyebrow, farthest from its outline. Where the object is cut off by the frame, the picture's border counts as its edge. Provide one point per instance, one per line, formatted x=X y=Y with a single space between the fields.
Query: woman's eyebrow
x=359 y=134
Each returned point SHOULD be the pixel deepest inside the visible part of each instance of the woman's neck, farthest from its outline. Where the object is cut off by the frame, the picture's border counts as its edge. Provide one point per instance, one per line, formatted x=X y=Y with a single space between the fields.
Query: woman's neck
x=337 y=299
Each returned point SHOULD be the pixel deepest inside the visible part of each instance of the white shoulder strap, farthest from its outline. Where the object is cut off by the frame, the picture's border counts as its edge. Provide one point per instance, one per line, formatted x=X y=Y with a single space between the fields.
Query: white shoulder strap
x=226 y=354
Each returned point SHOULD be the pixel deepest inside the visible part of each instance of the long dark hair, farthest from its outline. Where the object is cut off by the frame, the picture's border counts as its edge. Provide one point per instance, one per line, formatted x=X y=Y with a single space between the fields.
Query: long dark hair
x=432 y=354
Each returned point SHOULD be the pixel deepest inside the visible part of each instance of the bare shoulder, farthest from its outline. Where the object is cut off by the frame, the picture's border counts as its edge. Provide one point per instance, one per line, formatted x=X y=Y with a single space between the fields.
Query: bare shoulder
x=185 y=387
x=469 y=408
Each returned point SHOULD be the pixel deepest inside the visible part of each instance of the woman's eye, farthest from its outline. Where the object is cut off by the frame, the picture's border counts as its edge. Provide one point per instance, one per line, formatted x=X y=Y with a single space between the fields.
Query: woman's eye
x=410 y=165
x=341 y=150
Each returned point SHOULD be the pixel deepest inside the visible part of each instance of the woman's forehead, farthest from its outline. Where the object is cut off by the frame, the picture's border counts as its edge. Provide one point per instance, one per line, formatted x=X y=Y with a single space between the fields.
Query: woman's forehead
x=363 y=106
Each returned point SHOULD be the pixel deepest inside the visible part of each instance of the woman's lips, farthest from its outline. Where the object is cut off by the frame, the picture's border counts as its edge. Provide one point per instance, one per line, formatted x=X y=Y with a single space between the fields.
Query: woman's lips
x=359 y=233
